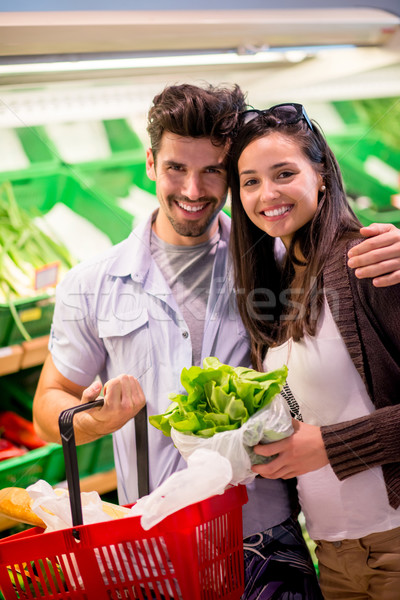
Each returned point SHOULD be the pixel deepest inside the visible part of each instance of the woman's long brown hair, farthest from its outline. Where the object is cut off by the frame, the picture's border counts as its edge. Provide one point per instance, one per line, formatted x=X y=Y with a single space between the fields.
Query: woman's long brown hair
x=277 y=302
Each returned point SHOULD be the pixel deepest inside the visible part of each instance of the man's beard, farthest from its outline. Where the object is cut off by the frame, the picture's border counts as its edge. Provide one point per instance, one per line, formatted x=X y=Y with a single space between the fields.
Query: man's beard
x=193 y=228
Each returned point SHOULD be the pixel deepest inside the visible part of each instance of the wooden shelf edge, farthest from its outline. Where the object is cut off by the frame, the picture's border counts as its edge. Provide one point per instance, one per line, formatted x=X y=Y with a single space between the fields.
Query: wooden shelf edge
x=10 y=359
x=102 y=483
x=22 y=356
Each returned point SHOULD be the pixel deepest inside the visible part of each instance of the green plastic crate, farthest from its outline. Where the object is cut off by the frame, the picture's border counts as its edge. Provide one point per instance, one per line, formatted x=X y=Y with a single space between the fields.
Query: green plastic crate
x=368 y=216
x=48 y=463
x=352 y=150
x=125 y=166
x=41 y=154
x=126 y=145
x=36 y=193
x=35 y=314
x=17 y=391
x=95 y=457
x=90 y=202
x=42 y=463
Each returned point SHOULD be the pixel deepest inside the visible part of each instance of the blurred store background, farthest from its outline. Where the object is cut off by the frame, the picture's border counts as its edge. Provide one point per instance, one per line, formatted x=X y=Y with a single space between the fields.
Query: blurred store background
x=75 y=87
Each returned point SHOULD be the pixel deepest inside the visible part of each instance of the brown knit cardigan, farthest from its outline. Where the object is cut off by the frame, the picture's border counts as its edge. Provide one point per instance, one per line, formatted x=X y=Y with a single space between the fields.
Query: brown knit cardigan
x=368 y=319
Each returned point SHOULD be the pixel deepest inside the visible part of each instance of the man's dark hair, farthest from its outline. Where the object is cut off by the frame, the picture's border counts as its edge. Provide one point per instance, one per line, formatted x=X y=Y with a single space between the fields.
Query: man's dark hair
x=197 y=112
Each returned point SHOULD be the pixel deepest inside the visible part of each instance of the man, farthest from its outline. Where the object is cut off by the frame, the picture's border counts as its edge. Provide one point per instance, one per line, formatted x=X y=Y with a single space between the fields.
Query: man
x=163 y=300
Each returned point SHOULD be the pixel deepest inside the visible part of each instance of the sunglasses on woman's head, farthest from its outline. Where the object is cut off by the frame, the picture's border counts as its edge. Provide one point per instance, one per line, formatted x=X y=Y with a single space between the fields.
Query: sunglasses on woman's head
x=285 y=114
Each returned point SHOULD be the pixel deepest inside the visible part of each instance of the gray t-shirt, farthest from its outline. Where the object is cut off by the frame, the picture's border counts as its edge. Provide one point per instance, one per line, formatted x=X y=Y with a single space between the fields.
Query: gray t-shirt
x=188 y=270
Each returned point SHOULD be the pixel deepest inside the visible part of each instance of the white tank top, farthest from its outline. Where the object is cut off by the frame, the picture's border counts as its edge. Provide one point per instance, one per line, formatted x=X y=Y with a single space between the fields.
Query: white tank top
x=328 y=389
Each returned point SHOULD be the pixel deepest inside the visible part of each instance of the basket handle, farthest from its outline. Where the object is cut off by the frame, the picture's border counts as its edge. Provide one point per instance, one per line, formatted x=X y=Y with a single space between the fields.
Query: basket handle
x=66 y=426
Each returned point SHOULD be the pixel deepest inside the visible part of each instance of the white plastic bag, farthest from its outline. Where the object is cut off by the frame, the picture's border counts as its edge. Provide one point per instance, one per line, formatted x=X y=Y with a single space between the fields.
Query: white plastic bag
x=54 y=508
x=207 y=474
x=269 y=424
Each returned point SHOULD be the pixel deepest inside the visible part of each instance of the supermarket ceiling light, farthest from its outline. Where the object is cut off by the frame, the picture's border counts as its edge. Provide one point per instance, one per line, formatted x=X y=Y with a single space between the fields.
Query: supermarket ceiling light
x=242 y=56
x=141 y=63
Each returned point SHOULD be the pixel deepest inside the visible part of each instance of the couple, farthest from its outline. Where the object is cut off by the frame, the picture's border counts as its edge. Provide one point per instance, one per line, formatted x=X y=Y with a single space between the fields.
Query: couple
x=165 y=298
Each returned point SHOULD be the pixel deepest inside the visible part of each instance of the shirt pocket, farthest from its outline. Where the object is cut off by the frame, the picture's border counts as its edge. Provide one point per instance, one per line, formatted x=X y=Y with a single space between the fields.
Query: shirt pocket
x=127 y=342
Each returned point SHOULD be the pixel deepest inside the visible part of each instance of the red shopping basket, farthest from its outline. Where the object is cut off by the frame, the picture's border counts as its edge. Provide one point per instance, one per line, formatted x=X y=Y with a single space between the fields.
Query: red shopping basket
x=194 y=554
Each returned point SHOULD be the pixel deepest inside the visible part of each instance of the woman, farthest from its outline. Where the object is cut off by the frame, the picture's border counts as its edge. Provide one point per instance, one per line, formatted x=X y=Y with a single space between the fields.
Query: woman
x=339 y=337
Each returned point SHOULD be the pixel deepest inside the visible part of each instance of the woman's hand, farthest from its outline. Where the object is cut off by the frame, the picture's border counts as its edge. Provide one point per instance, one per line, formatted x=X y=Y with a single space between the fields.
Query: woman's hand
x=377 y=257
x=300 y=453
x=123 y=399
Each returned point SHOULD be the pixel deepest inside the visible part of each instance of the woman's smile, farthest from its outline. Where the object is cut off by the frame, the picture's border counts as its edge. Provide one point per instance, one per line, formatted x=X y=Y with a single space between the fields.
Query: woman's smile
x=277 y=212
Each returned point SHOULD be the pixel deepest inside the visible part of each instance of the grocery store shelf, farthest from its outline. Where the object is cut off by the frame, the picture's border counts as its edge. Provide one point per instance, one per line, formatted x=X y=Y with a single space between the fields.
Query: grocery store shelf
x=22 y=356
x=10 y=359
x=102 y=483
x=34 y=352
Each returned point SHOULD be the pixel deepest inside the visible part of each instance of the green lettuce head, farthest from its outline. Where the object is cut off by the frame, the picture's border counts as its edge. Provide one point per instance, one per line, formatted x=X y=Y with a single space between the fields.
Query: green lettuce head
x=219 y=398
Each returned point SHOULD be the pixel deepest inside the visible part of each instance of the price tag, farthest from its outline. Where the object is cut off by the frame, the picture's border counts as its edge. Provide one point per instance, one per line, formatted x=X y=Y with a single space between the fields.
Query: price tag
x=30 y=314
x=47 y=276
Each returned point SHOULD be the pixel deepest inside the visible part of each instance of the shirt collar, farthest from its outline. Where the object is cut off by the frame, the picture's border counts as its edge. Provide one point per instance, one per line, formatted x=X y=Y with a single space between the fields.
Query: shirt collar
x=134 y=256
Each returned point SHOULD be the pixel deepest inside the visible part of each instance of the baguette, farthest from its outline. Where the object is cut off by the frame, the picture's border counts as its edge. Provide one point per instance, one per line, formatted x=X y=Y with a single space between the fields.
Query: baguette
x=16 y=503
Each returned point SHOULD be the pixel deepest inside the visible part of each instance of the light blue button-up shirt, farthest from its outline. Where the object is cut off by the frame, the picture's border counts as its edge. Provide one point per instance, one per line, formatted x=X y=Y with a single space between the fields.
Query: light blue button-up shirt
x=116 y=314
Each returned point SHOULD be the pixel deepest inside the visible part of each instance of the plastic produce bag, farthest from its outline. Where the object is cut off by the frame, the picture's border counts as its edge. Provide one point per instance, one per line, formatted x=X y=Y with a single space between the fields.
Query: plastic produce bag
x=53 y=506
x=207 y=474
x=269 y=424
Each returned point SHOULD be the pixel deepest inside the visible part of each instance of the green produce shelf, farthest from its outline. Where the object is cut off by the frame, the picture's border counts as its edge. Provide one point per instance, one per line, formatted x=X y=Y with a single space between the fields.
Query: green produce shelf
x=352 y=151
x=48 y=463
x=43 y=463
x=115 y=173
x=35 y=314
x=90 y=202
x=90 y=189
x=369 y=215
x=35 y=193
x=41 y=154
x=17 y=391
x=95 y=457
x=38 y=195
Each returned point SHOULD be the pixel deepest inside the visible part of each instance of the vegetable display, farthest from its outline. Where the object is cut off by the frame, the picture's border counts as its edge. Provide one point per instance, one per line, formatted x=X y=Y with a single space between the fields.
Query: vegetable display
x=10 y=450
x=18 y=430
x=24 y=248
x=219 y=398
